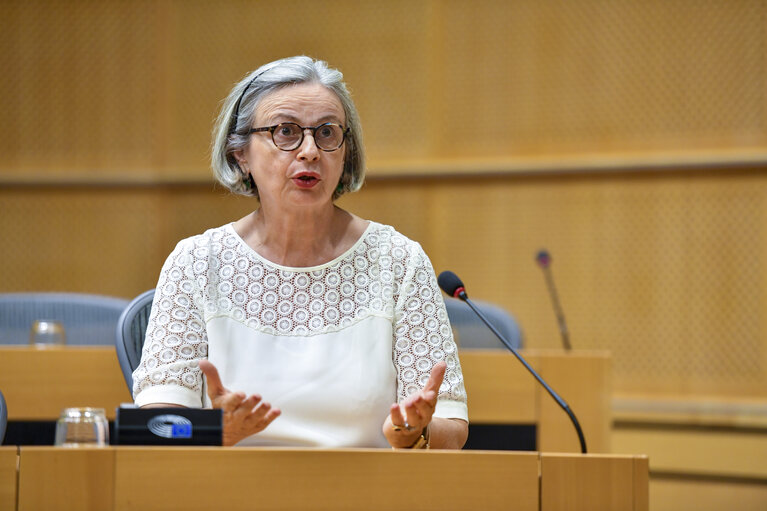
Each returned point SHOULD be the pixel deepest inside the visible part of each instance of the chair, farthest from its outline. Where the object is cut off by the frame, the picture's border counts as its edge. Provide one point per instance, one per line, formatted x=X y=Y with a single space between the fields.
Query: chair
x=131 y=330
x=473 y=333
x=3 y=417
x=87 y=319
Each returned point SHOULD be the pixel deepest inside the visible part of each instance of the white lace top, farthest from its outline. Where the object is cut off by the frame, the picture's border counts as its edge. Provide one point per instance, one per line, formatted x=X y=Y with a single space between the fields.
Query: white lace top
x=332 y=346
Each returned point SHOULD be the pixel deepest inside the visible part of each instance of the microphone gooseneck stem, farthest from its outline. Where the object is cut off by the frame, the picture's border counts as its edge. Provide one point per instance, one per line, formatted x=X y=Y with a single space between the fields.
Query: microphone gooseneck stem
x=557 y=308
x=561 y=402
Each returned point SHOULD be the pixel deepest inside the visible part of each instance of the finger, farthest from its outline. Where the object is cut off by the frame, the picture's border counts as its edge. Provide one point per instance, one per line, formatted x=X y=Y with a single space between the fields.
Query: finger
x=414 y=418
x=215 y=387
x=258 y=416
x=264 y=421
x=229 y=401
x=273 y=414
x=245 y=408
x=425 y=407
x=395 y=415
x=436 y=377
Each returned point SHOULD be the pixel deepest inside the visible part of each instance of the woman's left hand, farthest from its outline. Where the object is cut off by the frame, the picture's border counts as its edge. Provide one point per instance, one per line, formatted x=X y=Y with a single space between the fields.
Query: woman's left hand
x=415 y=412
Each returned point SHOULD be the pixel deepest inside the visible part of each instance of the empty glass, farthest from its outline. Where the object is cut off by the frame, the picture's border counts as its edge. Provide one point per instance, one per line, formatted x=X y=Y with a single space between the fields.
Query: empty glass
x=46 y=333
x=82 y=427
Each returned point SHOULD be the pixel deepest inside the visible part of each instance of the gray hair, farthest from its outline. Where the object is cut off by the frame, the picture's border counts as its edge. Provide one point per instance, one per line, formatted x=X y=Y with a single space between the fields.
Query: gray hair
x=230 y=134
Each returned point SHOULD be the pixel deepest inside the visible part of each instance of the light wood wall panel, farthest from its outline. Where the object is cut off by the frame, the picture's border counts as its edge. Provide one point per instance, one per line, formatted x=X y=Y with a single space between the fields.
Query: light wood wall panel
x=673 y=494
x=103 y=89
x=108 y=240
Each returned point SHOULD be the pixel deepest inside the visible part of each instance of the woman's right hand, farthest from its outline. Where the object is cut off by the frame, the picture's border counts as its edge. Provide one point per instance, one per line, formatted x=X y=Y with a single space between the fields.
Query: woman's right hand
x=242 y=415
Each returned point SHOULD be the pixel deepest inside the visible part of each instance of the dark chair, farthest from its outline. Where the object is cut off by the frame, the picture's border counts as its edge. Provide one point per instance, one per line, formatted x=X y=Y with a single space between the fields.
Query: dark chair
x=473 y=333
x=87 y=319
x=131 y=330
x=3 y=417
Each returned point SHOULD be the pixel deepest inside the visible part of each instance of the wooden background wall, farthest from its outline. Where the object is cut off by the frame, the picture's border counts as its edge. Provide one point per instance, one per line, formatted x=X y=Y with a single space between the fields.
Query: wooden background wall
x=629 y=138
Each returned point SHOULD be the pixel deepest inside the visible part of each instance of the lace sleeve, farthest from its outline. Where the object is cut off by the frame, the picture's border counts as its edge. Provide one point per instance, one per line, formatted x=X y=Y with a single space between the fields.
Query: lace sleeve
x=423 y=337
x=175 y=336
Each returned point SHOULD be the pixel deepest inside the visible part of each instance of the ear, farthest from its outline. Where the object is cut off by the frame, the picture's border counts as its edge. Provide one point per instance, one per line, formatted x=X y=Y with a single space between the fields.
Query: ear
x=241 y=160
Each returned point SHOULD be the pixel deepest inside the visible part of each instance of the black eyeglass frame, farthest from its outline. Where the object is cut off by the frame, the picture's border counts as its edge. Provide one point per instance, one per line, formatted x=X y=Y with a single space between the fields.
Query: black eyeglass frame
x=270 y=129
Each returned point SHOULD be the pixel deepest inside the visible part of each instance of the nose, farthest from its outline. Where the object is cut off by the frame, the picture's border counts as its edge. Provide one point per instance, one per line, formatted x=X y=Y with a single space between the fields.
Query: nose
x=308 y=150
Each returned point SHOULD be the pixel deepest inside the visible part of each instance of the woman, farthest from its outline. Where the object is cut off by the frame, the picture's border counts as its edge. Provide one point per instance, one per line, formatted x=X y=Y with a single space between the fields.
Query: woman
x=336 y=320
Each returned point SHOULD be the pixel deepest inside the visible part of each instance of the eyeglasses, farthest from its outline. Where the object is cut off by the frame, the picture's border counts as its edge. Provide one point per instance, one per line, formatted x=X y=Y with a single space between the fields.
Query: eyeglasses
x=289 y=135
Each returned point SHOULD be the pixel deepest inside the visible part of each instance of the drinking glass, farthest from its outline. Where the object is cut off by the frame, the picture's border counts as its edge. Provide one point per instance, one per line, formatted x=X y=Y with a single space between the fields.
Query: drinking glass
x=46 y=333
x=82 y=427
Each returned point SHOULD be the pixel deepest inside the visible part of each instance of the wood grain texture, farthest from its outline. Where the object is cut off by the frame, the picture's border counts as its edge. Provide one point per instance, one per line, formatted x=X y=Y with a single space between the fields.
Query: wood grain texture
x=8 y=477
x=157 y=478
x=584 y=381
x=138 y=84
x=673 y=494
x=323 y=480
x=595 y=482
x=502 y=391
x=723 y=453
x=66 y=479
x=38 y=384
x=499 y=389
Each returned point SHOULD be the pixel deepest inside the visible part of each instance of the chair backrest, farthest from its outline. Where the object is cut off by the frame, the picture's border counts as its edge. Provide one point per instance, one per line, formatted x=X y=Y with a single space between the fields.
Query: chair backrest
x=473 y=333
x=3 y=417
x=87 y=319
x=131 y=330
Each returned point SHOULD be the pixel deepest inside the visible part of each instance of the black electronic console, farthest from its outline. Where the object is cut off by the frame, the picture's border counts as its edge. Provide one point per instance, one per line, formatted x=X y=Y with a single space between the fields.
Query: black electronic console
x=168 y=426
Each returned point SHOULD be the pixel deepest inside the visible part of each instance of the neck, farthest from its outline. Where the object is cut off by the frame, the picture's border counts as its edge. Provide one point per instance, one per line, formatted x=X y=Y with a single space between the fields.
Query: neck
x=299 y=238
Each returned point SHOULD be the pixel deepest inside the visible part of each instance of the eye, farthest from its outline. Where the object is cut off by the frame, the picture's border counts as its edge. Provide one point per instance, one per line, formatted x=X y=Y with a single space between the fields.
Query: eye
x=286 y=130
x=325 y=131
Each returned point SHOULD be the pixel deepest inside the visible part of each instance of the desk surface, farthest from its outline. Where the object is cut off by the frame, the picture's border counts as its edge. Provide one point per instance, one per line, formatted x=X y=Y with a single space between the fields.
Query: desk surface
x=258 y=478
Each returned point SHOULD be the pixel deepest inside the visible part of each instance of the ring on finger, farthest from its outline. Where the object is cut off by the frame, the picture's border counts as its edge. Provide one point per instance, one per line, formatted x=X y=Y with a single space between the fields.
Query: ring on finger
x=403 y=427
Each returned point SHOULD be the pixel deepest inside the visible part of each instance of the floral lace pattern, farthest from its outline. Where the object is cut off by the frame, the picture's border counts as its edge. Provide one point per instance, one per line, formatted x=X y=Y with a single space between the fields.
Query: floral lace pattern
x=216 y=274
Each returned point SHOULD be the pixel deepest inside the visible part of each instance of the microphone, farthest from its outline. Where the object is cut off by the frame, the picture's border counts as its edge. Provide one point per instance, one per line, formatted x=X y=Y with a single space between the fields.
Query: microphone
x=452 y=286
x=544 y=261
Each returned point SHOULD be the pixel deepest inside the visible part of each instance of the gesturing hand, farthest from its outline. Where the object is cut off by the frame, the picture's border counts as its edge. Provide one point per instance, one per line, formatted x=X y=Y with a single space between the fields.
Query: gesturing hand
x=415 y=412
x=242 y=415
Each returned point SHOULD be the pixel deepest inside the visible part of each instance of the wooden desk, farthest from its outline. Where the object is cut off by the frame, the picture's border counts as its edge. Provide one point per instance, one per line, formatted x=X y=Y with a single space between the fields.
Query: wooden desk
x=8 y=474
x=502 y=391
x=38 y=383
x=122 y=478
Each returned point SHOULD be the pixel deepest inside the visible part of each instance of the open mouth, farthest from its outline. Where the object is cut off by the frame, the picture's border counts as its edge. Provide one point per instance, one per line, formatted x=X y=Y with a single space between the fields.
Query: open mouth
x=306 y=180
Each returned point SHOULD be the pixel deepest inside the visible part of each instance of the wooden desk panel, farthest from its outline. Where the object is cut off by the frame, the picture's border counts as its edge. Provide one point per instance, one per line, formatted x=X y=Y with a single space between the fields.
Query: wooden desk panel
x=66 y=479
x=594 y=482
x=38 y=383
x=502 y=391
x=499 y=388
x=8 y=473
x=203 y=478
x=375 y=479
x=584 y=380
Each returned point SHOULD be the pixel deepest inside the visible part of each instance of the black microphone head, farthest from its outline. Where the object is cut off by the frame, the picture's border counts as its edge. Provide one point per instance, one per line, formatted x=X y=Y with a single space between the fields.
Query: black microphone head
x=543 y=258
x=451 y=284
